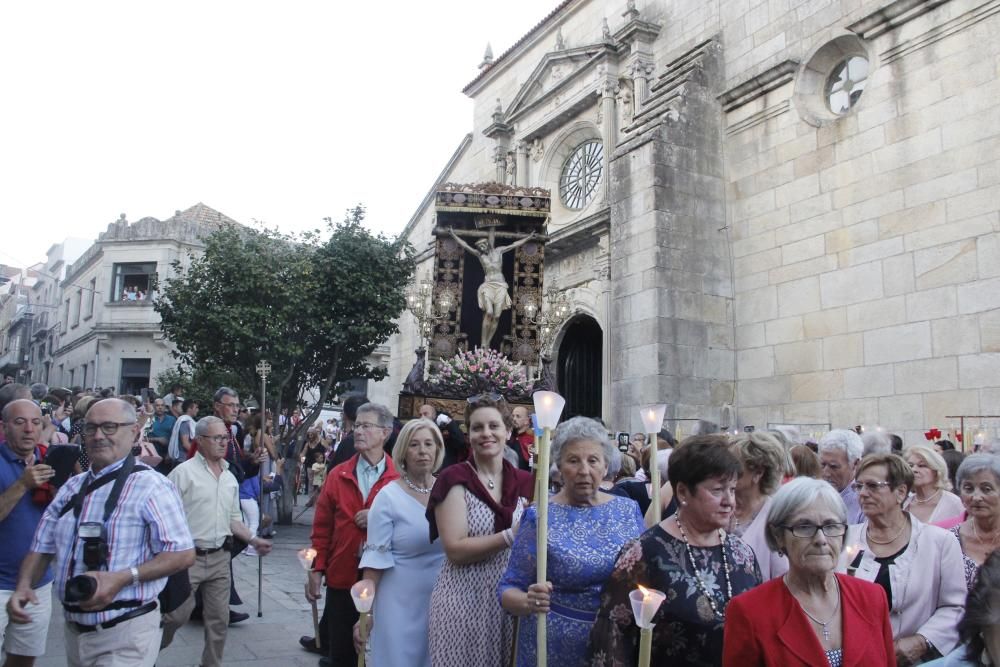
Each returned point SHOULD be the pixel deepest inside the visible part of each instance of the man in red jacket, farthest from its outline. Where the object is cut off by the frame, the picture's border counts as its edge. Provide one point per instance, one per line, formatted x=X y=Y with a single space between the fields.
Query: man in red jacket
x=340 y=526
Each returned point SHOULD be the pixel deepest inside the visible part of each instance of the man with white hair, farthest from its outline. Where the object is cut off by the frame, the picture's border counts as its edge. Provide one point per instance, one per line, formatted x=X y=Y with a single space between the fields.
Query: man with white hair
x=876 y=442
x=839 y=453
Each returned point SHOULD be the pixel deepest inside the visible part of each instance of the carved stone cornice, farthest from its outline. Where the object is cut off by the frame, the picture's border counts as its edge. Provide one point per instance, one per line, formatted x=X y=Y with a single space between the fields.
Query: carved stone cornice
x=763 y=83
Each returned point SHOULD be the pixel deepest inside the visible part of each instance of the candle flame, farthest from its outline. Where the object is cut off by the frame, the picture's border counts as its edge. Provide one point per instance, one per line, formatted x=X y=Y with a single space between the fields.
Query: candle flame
x=310 y=553
x=364 y=594
x=645 y=592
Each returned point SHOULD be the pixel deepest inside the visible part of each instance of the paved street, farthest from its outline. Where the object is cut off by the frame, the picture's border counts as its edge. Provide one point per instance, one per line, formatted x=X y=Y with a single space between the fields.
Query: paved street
x=269 y=640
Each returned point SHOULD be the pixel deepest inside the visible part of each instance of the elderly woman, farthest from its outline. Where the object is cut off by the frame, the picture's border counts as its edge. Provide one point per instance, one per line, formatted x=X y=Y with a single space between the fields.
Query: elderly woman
x=810 y=616
x=913 y=562
x=586 y=531
x=979 y=535
x=930 y=501
x=688 y=556
x=979 y=629
x=398 y=557
x=763 y=462
x=474 y=507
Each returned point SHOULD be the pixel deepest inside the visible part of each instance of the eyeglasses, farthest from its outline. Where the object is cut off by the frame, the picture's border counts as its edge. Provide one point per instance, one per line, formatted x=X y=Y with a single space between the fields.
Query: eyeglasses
x=872 y=487
x=808 y=530
x=365 y=426
x=217 y=439
x=107 y=428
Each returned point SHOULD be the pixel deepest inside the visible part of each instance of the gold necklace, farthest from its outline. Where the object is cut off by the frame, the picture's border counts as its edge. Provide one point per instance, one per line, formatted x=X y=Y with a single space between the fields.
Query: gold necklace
x=868 y=534
x=975 y=531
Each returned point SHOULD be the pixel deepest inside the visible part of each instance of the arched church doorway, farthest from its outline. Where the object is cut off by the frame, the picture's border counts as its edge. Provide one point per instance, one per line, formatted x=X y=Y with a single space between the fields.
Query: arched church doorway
x=579 y=367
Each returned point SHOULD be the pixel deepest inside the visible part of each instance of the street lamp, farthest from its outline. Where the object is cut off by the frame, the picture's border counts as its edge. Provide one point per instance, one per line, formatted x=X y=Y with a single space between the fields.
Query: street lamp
x=427 y=312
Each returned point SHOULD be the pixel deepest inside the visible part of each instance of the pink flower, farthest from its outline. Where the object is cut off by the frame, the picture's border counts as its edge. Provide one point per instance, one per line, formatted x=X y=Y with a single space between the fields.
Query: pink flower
x=473 y=368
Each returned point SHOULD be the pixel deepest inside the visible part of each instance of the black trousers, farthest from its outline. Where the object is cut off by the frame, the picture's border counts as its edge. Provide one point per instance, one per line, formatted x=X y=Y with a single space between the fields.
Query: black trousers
x=341 y=617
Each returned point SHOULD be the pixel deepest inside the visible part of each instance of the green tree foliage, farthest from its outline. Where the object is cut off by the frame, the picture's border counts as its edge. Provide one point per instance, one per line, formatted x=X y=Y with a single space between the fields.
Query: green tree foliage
x=315 y=306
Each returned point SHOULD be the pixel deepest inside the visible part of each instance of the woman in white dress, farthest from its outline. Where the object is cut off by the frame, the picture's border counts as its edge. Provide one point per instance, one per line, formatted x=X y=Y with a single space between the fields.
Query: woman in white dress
x=931 y=501
x=398 y=557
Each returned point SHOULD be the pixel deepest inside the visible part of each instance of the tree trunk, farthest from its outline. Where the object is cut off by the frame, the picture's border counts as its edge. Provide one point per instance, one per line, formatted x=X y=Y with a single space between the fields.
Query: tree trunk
x=295 y=439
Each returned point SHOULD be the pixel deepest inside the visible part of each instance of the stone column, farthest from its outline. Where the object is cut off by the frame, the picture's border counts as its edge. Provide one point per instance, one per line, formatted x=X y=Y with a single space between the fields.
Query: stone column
x=641 y=71
x=609 y=132
x=522 y=164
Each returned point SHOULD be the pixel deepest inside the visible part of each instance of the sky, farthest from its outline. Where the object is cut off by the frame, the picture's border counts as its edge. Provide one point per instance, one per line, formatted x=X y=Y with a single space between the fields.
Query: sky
x=282 y=112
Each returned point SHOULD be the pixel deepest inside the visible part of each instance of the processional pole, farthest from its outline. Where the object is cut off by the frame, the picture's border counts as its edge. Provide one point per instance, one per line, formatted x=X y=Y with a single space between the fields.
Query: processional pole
x=263 y=369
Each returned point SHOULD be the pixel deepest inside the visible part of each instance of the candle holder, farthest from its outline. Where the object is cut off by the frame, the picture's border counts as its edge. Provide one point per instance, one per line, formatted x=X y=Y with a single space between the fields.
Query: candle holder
x=652 y=421
x=852 y=552
x=306 y=557
x=363 y=594
x=548 y=406
x=645 y=603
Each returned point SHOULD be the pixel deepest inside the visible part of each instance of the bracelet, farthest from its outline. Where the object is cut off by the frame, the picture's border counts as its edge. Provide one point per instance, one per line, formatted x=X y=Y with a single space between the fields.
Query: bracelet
x=135 y=575
x=508 y=536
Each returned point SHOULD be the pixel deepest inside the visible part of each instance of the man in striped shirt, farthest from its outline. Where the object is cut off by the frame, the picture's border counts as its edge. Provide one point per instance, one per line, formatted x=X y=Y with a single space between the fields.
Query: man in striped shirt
x=146 y=536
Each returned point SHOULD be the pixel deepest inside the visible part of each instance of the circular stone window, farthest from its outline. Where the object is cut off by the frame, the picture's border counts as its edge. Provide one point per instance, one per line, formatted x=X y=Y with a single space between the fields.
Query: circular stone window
x=830 y=85
x=581 y=174
x=846 y=83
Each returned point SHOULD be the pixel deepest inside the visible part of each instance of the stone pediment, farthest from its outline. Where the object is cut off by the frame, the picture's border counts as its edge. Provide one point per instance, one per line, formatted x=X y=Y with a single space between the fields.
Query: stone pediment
x=556 y=72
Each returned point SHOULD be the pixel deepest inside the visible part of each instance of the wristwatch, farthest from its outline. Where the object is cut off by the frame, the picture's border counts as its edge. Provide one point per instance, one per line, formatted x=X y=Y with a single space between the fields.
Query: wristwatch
x=135 y=575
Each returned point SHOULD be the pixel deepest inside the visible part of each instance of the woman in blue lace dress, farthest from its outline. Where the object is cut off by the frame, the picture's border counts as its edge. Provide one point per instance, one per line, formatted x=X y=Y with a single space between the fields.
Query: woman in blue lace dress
x=587 y=528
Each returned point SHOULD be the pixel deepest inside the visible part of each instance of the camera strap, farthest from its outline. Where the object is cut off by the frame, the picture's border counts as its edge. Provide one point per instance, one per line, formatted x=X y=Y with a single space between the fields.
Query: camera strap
x=76 y=503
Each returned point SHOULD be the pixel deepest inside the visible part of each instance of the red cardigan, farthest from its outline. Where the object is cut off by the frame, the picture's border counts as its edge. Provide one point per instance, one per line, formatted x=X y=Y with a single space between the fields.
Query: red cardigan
x=766 y=626
x=335 y=537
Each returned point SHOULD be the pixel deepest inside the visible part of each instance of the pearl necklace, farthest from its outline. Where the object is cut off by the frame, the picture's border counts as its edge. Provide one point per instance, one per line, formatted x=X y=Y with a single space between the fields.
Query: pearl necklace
x=917 y=501
x=418 y=489
x=697 y=574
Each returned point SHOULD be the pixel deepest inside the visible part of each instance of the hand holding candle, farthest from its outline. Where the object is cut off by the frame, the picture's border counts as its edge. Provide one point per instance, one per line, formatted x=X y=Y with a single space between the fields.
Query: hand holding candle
x=652 y=421
x=363 y=594
x=306 y=557
x=645 y=603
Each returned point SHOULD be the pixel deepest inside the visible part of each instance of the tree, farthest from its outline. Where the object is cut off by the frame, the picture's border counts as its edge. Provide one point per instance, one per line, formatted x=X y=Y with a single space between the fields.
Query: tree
x=314 y=308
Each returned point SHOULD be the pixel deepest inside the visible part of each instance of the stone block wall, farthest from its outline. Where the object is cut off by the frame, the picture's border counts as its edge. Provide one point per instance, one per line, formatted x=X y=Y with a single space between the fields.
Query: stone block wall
x=866 y=249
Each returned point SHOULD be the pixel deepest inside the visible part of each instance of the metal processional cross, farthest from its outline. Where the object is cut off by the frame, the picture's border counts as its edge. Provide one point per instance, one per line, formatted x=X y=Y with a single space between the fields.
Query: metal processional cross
x=263 y=370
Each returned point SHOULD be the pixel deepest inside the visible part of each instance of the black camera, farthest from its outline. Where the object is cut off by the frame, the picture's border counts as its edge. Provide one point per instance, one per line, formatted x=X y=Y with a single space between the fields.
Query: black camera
x=95 y=545
x=80 y=588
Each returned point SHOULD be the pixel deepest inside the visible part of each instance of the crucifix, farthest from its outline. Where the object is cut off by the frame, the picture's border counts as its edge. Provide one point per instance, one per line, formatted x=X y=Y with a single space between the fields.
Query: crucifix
x=494 y=294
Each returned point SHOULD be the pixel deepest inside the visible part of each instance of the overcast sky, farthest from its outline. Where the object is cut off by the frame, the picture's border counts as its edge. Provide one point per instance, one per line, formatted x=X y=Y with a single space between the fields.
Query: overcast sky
x=284 y=112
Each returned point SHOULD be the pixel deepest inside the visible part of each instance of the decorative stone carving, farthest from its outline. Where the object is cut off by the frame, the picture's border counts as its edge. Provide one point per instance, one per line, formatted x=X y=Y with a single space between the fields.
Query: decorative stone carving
x=625 y=103
x=510 y=169
x=537 y=149
x=560 y=42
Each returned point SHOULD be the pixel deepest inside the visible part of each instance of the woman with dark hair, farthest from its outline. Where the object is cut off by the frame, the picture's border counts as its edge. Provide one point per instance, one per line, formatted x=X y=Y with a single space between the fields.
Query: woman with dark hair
x=979 y=629
x=474 y=508
x=805 y=461
x=953 y=459
x=916 y=564
x=943 y=446
x=688 y=556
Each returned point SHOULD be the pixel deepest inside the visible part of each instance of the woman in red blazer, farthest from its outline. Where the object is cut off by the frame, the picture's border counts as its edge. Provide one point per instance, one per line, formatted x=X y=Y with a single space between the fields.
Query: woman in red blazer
x=811 y=617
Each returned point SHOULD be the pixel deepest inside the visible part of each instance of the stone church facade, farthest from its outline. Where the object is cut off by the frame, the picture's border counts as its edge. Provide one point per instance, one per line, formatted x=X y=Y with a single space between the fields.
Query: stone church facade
x=775 y=211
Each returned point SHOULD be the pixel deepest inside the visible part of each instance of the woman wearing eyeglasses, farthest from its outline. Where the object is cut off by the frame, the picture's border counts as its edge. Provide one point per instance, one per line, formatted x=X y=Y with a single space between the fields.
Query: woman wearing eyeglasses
x=810 y=616
x=918 y=565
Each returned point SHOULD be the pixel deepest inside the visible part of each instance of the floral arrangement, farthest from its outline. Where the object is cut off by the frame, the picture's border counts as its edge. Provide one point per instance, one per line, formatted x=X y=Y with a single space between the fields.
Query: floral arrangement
x=478 y=371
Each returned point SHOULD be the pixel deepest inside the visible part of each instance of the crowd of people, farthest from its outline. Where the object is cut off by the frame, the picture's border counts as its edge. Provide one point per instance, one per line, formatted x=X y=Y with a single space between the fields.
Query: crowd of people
x=857 y=549
x=127 y=513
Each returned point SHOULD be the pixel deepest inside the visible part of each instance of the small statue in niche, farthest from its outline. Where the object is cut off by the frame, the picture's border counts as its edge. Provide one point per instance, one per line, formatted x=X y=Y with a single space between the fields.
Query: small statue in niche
x=510 y=169
x=494 y=294
x=625 y=103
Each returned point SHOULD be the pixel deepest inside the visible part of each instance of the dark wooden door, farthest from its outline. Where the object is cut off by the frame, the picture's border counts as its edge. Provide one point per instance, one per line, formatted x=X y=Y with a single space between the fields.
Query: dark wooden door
x=579 y=368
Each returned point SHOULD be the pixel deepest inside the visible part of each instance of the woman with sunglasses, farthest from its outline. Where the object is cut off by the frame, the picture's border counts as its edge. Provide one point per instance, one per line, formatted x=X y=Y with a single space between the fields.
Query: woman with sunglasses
x=809 y=616
x=918 y=565
x=474 y=508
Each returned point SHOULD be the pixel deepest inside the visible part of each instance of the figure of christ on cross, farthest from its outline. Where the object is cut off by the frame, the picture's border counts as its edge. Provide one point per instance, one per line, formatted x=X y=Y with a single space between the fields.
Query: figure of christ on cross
x=494 y=294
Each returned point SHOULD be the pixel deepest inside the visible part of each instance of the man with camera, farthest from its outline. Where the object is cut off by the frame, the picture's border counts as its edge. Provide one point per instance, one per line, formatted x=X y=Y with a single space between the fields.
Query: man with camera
x=210 y=495
x=22 y=477
x=108 y=588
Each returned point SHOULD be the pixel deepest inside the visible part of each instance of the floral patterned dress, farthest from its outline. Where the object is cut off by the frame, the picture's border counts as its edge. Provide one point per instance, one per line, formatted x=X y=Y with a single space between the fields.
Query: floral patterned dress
x=582 y=547
x=970 y=566
x=687 y=632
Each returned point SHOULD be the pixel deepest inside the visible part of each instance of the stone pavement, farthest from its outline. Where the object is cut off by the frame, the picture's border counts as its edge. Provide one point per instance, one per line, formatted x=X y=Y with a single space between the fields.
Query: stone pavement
x=272 y=639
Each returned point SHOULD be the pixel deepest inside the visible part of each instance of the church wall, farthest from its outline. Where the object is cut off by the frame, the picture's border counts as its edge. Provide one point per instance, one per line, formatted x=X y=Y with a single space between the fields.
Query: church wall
x=865 y=249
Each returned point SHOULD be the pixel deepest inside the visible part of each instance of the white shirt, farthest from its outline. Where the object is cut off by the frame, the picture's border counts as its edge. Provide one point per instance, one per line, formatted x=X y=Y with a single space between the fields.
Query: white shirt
x=174 y=446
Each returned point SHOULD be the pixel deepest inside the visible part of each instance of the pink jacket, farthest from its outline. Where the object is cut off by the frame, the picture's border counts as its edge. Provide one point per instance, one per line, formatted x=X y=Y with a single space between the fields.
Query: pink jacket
x=927 y=581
